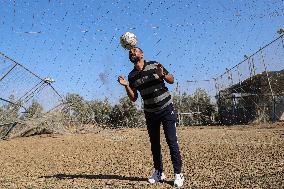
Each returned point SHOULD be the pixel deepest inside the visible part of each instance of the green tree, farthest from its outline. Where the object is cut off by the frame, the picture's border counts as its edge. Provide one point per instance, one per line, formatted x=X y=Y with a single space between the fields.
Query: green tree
x=34 y=110
x=203 y=106
x=9 y=112
x=183 y=104
x=126 y=114
x=198 y=107
x=100 y=111
x=76 y=108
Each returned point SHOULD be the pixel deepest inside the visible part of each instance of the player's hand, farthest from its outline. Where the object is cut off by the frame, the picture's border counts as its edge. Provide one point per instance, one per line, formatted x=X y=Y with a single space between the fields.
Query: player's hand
x=122 y=81
x=160 y=70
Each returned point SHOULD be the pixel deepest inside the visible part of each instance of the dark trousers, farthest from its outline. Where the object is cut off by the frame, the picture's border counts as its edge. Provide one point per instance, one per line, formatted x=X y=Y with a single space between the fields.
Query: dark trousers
x=168 y=118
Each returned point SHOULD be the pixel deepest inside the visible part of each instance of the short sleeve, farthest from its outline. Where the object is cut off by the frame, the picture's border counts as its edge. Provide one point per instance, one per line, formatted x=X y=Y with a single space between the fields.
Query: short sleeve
x=131 y=85
x=131 y=82
x=166 y=72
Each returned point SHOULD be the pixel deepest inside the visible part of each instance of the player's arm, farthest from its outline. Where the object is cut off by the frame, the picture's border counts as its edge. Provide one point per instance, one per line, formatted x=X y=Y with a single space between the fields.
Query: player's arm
x=131 y=92
x=164 y=74
x=169 y=78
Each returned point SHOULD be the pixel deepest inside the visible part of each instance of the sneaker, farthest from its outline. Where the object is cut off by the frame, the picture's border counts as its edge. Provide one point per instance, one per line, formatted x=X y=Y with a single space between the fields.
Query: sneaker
x=157 y=177
x=178 y=182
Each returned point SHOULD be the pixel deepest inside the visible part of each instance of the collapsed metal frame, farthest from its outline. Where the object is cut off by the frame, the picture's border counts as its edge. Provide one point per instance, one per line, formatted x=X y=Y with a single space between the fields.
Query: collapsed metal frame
x=28 y=95
x=35 y=89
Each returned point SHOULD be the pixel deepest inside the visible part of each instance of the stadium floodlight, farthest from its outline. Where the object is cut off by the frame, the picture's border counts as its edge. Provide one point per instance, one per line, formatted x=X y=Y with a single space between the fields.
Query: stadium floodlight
x=48 y=80
x=280 y=31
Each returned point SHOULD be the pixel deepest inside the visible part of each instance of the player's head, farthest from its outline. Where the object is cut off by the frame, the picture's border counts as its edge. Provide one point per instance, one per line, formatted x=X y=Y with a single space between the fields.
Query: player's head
x=135 y=54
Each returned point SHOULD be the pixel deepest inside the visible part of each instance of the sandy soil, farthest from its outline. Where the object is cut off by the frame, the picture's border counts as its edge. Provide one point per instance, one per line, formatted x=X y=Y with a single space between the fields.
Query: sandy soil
x=213 y=157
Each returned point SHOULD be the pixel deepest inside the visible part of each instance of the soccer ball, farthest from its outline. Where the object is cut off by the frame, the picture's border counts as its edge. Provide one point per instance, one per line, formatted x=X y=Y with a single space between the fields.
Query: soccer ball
x=128 y=40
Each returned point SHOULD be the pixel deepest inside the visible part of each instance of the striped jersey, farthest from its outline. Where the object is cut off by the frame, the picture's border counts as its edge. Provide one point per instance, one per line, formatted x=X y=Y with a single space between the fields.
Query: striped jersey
x=151 y=87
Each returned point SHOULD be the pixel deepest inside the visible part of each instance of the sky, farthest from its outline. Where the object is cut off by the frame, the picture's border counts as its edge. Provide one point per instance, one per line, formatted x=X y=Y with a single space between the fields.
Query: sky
x=77 y=42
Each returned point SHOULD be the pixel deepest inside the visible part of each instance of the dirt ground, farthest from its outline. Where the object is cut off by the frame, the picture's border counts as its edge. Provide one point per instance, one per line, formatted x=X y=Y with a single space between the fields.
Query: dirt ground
x=213 y=157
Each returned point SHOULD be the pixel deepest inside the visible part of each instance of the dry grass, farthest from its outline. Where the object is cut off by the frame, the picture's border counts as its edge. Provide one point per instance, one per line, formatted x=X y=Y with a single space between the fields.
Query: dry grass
x=213 y=157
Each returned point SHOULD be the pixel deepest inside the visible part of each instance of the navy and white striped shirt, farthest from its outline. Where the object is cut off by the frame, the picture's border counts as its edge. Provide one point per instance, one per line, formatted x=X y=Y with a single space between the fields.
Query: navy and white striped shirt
x=153 y=91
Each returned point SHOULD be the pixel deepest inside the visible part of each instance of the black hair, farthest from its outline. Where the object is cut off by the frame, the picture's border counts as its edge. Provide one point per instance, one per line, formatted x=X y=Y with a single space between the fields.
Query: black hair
x=137 y=48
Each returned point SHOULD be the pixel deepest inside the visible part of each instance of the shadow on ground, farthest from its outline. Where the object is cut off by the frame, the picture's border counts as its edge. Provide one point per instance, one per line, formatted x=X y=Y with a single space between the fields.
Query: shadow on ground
x=100 y=177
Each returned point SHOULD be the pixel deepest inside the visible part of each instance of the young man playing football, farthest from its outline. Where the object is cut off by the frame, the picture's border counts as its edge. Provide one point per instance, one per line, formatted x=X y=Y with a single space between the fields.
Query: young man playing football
x=148 y=78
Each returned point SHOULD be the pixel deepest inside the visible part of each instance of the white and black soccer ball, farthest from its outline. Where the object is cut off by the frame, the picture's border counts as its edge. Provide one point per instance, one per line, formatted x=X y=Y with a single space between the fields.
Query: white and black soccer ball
x=128 y=40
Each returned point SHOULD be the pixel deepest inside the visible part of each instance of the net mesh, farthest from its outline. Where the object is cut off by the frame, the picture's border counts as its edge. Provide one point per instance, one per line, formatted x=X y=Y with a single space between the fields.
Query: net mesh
x=250 y=92
x=24 y=96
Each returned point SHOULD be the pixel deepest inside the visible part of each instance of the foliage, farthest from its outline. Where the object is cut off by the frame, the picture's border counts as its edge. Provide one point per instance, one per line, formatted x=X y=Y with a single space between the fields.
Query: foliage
x=123 y=114
x=76 y=108
x=100 y=111
x=35 y=110
x=126 y=114
x=183 y=105
x=9 y=112
x=201 y=103
x=198 y=106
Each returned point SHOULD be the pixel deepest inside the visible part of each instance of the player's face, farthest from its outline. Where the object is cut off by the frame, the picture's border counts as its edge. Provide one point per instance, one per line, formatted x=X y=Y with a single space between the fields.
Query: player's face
x=135 y=55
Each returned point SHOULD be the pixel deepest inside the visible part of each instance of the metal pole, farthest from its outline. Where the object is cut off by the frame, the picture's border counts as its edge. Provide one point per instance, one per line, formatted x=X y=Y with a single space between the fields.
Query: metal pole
x=8 y=72
x=274 y=109
x=217 y=98
x=198 y=107
x=269 y=82
x=180 y=103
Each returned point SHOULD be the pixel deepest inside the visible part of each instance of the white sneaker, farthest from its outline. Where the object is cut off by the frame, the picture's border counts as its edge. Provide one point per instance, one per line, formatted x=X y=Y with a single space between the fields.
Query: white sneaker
x=179 y=178
x=157 y=177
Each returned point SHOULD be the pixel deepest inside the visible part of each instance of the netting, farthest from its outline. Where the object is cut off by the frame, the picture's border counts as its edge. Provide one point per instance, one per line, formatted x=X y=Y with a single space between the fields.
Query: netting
x=250 y=92
x=195 y=102
x=24 y=95
x=76 y=43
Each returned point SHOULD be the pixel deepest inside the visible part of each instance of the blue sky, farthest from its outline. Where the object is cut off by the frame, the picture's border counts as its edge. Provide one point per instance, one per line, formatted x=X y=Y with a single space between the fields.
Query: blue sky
x=77 y=42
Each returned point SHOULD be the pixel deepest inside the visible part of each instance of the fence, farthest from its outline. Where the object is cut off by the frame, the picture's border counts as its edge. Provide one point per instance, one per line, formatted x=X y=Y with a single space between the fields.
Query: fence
x=250 y=92
x=196 y=105
x=23 y=94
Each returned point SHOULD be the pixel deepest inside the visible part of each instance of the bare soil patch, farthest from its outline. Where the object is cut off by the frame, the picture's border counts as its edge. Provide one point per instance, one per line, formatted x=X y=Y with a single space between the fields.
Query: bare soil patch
x=213 y=157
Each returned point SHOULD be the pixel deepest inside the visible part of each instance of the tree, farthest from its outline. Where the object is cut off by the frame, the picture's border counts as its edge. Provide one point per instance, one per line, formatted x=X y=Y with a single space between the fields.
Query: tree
x=9 y=112
x=183 y=104
x=76 y=108
x=198 y=106
x=35 y=110
x=202 y=105
x=100 y=111
x=123 y=114
x=126 y=114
